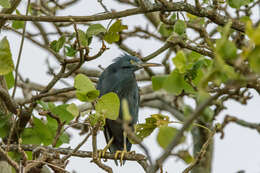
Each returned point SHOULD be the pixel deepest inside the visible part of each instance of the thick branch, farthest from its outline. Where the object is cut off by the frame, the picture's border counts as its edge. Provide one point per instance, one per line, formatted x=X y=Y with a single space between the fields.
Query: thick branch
x=10 y=104
x=79 y=153
x=178 y=6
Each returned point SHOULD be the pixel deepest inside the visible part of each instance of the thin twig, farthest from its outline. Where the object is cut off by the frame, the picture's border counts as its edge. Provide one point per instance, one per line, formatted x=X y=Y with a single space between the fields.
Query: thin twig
x=201 y=153
x=9 y=160
x=76 y=149
x=179 y=135
x=20 y=50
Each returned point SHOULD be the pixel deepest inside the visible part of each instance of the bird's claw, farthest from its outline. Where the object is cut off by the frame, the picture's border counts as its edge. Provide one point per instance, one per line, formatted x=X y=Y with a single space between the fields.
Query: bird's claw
x=101 y=153
x=122 y=154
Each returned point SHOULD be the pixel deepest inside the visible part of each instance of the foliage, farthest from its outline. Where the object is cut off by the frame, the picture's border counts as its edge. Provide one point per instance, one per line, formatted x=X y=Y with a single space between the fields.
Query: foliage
x=209 y=55
x=6 y=62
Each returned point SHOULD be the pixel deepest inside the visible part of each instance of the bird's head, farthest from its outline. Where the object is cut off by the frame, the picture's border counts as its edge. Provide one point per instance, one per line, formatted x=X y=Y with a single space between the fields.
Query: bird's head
x=132 y=63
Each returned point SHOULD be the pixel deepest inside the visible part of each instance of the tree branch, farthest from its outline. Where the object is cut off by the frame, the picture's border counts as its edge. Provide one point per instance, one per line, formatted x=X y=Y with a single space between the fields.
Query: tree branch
x=177 y=6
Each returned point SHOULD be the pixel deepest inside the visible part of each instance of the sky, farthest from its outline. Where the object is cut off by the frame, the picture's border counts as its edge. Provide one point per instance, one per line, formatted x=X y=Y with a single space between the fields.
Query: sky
x=239 y=150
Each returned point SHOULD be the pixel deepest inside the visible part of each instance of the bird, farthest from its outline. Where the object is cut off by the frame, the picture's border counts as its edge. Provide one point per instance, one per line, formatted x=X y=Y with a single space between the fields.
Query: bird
x=119 y=77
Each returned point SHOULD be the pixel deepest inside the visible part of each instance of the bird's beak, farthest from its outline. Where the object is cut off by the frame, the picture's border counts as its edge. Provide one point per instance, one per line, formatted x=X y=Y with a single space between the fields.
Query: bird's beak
x=150 y=65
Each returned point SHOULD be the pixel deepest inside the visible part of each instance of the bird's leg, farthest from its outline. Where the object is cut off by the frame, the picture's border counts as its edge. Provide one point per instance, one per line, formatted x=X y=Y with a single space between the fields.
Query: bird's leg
x=101 y=153
x=122 y=153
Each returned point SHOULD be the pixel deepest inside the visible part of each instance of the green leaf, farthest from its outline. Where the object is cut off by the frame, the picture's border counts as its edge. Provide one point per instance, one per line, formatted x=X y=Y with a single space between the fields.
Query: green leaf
x=180 y=27
x=175 y=84
x=117 y=26
x=185 y=156
x=145 y=129
x=113 y=32
x=6 y=62
x=227 y=49
x=208 y=114
x=42 y=131
x=30 y=136
x=70 y=51
x=86 y=91
x=253 y=33
x=9 y=78
x=95 y=29
x=63 y=139
x=165 y=30
x=4 y=125
x=57 y=45
x=158 y=81
x=62 y=112
x=180 y=61
x=51 y=105
x=166 y=135
x=17 y=24
x=108 y=105
x=254 y=59
x=73 y=109
x=83 y=40
x=5 y=3
x=43 y=104
x=238 y=3
x=111 y=37
x=52 y=124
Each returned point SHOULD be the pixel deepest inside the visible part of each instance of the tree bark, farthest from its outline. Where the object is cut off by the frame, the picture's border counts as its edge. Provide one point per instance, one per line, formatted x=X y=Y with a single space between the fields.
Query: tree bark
x=200 y=136
x=4 y=166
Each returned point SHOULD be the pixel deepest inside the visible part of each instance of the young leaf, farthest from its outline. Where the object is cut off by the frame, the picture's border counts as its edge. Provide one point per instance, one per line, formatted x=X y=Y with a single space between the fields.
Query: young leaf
x=70 y=51
x=180 y=27
x=108 y=105
x=4 y=125
x=82 y=38
x=86 y=91
x=5 y=3
x=73 y=109
x=62 y=112
x=6 y=62
x=254 y=59
x=113 y=32
x=63 y=139
x=42 y=131
x=57 y=45
x=165 y=30
x=9 y=78
x=175 y=84
x=227 y=49
x=166 y=135
x=143 y=130
x=17 y=24
x=180 y=61
x=157 y=82
x=43 y=104
x=95 y=29
x=253 y=33
x=30 y=136
x=238 y=3
x=185 y=156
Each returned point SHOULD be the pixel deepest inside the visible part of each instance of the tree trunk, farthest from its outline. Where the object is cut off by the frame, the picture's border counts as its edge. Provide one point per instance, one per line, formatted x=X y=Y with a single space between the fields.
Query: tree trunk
x=200 y=136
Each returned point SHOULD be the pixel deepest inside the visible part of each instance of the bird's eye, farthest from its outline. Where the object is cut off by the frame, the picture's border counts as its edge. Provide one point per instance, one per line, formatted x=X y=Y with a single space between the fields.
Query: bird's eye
x=132 y=62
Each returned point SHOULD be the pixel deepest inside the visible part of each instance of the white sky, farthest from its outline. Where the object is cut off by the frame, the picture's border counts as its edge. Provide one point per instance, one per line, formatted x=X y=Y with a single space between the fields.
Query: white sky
x=238 y=151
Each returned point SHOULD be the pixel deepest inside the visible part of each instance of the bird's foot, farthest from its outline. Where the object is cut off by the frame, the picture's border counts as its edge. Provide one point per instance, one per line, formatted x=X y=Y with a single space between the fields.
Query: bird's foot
x=101 y=153
x=122 y=154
